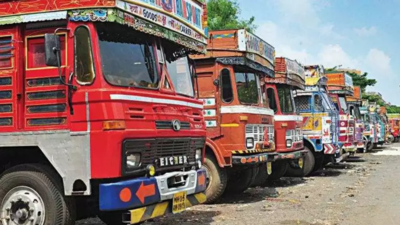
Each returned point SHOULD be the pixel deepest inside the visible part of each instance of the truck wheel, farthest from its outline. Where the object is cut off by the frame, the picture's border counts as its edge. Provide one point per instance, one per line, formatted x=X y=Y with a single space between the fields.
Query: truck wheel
x=319 y=161
x=370 y=146
x=279 y=169
x=374 y=146
x=30 y=194
x=309 y=163
x=217 y=179
x=240 y=179
x=261 y=177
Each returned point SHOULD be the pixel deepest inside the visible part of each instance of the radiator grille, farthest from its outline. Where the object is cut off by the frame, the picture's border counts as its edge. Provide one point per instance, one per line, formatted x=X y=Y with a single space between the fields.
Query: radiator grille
x=153 y=149
x=166 y=124
x=257 y=132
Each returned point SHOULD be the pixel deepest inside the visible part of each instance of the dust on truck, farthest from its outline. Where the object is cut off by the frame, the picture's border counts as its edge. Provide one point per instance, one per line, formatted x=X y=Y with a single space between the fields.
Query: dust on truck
x=320 y=118
x=340 y=85
x=240 y=130
x=289 y=76
x=98 y=110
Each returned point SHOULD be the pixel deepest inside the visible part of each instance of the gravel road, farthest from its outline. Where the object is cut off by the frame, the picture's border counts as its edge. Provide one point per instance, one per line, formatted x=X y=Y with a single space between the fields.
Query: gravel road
x=362 y=190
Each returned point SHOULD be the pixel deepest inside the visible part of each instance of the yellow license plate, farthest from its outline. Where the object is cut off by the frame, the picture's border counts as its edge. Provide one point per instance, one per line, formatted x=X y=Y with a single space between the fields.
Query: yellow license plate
x=179 y=202
x=269 y=168
x=301 y=162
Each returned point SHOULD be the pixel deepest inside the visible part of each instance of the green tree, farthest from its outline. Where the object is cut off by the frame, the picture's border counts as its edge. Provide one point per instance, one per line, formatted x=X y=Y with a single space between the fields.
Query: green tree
x=224 y=14
x=362 y=81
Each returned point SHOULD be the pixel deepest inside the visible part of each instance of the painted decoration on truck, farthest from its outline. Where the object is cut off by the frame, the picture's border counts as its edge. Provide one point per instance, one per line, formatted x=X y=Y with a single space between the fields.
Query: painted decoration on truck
x=249 y=42
x=313 y=75
x=33 y=17
x=326 y=130
x=294 y=67
x=182 y=16
x=136 y=23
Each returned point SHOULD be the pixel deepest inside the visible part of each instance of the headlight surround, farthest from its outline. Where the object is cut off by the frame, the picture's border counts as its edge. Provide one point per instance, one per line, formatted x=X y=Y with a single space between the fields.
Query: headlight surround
x=289 y=143
x=249 y=142
x=199 y=153
x=133 y=160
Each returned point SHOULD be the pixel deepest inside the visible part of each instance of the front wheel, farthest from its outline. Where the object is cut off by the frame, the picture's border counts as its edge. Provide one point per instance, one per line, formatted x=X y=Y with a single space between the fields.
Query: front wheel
x=217 y=179
x=240 y=179
x=30 y=195
x=261 y=177
x=279 y=169
x=309 y=163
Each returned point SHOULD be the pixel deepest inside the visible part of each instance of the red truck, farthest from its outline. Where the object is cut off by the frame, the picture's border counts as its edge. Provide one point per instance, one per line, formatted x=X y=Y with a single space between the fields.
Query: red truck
x=98 y=110
x=240 y=128
x=289 y=76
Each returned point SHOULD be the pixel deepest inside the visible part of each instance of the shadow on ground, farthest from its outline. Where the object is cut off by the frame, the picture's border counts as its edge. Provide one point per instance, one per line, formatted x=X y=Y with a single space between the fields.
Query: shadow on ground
x=186 y=218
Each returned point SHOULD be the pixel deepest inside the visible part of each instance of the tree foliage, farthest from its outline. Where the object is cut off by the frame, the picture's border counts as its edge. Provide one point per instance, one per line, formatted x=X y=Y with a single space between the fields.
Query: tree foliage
x=362 y=81
x=224 y=14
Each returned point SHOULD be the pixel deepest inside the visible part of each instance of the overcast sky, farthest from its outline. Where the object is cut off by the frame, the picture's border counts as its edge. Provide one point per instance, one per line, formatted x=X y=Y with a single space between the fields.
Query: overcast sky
x=361 y=34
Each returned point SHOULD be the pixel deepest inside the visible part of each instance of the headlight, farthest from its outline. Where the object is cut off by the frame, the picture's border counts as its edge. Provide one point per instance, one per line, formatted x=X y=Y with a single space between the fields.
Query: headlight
x=288 y=143
x=198 y=154
x=249 y=142
x=133 y=160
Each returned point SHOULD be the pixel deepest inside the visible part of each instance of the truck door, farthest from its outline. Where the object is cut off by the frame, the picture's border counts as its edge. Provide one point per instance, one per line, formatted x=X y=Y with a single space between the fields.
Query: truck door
x=45 y=103
x=9 y=88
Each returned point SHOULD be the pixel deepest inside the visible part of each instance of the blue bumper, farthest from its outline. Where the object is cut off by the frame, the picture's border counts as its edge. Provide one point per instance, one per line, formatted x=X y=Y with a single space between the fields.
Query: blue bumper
x=139 y=192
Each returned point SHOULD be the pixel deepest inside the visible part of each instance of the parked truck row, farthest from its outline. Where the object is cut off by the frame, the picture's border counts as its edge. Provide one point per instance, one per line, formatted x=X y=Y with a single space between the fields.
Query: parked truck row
x=131 y=110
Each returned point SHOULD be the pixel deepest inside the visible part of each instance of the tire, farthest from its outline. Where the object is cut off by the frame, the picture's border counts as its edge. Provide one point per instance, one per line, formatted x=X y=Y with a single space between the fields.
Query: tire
x=309 y=163
x=261 y=177
x=240 y=179
x=217 y=179
x=370 y=146
x=319 y=158
x=374 y=146
x=38 y=184
x=279 y=169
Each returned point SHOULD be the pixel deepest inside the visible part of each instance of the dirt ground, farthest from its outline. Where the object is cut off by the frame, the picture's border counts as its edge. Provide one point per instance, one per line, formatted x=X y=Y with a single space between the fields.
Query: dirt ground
x=362 y=190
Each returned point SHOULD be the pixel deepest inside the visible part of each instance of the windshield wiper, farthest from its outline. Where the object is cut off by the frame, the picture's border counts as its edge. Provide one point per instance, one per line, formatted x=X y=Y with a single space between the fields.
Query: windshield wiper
x=148 y=61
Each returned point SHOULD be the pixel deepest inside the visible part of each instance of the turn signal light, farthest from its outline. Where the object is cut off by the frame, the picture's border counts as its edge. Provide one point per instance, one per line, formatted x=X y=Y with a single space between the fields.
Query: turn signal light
x=114 y=125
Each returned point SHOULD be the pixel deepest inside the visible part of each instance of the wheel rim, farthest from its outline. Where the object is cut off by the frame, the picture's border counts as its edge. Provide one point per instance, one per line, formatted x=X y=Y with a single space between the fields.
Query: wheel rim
x=208 y=177
x=22 y=205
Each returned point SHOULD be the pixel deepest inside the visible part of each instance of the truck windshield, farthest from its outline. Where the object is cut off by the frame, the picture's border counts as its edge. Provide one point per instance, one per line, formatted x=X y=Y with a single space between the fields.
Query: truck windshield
x=343 y=104
x=285 y=99
x=247 y=87
x=127 y=56
x=179 y=71
x=327 y=103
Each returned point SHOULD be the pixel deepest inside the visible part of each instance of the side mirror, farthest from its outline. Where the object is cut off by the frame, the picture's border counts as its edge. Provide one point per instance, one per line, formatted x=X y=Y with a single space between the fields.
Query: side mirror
x=52 y=50
x=216 y=82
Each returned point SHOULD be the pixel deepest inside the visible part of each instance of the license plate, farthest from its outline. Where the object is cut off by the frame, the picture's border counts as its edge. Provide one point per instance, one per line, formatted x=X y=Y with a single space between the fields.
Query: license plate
x=301 y=162
x=269 y=168
x=179 y=202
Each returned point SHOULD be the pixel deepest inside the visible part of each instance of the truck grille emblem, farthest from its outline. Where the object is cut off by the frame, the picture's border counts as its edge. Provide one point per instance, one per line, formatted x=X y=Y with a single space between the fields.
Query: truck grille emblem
x=176 y=125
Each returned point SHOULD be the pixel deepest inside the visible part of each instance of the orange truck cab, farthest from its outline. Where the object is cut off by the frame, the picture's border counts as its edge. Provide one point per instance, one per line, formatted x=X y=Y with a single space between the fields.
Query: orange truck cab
x=240 y=129
x=340 y=85
x=394 y=121
x=289 y=75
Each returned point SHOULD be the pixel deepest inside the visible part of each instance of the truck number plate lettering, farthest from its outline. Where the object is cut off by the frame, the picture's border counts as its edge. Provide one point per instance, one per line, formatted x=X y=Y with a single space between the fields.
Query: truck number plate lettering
x=179 y=202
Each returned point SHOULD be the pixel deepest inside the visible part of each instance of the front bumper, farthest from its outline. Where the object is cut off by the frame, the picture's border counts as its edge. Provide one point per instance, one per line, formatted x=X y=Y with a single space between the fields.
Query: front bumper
x=253 y=159
x=290 y=155
x=139 y=192
x=349 y=147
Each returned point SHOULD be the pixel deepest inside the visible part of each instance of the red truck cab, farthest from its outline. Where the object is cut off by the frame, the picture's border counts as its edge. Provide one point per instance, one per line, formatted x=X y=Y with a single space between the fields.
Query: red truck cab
x=100 y=110
x=289 y=75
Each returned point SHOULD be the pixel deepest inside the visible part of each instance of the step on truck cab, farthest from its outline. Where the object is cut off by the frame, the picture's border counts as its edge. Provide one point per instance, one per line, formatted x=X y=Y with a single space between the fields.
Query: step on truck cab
x=289 y=76
x=240 y=129
x=340 y=85
x=320 y=119
x=354 y=104
x=98 y=110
